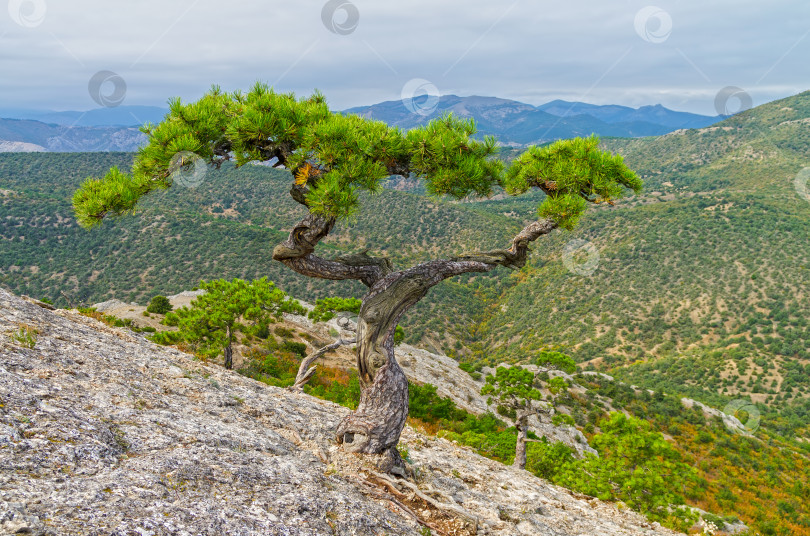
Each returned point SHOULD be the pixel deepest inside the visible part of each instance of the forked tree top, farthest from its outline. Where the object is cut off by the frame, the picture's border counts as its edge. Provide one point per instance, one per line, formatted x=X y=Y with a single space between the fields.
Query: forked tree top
x=333 y=157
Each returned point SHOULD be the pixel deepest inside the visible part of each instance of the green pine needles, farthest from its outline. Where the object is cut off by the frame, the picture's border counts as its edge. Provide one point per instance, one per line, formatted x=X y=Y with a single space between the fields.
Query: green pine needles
x=513 y=386
x=334 y=157
x=571 y=173
x=326 y=308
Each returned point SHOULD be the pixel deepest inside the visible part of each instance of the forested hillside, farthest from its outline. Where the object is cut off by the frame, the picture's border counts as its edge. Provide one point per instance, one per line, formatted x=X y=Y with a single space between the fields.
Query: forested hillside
x=701 y=284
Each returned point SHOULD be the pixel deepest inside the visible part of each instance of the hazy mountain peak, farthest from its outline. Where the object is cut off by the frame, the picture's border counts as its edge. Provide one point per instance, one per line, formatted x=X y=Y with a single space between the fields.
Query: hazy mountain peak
x=517 y=123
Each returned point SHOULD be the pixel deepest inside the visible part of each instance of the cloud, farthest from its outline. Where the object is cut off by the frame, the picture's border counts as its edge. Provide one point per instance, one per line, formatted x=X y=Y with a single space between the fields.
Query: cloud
x=528 y=50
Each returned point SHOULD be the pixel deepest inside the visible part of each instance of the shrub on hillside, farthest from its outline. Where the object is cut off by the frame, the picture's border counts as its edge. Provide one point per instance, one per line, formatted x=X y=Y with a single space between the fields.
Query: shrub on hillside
x=159 y=305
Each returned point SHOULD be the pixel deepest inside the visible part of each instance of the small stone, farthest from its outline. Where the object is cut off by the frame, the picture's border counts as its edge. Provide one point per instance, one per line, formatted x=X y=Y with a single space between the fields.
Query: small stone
x=174 y=372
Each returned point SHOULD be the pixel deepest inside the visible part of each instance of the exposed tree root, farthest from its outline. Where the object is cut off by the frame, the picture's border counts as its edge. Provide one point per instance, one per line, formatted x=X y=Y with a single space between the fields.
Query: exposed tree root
x=459 y=521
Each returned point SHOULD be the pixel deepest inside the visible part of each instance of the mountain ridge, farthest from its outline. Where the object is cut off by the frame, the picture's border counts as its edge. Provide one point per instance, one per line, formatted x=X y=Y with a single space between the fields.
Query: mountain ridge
x=518 y=123
x=38 y=136
x=512 y=122
x=118 y=116
x=611 y=113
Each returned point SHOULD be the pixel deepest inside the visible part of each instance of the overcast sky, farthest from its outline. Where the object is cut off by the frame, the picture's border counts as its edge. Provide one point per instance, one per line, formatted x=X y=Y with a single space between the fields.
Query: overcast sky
x=679 y=53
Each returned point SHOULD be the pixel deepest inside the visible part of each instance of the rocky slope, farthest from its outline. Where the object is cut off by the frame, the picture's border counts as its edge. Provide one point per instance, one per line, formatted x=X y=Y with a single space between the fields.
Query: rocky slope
x=419 y=365
x=103 y=432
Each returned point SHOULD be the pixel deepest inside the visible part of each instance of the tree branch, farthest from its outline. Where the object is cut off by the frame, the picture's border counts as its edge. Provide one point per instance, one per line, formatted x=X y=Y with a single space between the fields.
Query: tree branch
x=305 y=372
x=515 y=256
x=297 y=252
x=428 y=274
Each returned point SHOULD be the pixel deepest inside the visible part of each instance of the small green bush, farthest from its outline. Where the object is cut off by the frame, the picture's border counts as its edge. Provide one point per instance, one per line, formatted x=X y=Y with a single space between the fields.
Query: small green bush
x=298 y=348
x=284 y=333
x=345 y=395
x=562 y=418
x=159 y=305
x=166 y=337
x=263 y=330
x=25 y=336
x=399 y=335
x=546 y=459
x=325 y=308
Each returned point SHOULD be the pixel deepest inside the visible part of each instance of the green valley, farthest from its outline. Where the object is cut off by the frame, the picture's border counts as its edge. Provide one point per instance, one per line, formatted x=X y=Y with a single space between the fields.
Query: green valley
x=701 y=282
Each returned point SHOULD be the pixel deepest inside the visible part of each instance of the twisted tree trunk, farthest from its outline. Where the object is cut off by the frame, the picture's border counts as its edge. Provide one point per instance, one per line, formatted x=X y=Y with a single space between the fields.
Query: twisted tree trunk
x=522 y=425
x=375 y=427
x=380 y=417
x=228 y=349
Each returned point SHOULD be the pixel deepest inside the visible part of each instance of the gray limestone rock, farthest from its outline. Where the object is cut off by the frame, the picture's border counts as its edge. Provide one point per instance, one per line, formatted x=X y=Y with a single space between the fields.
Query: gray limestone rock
x=105 y=433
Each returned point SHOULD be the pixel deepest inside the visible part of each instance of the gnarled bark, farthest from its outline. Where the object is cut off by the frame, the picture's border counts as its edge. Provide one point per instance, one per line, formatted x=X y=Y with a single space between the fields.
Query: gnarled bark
x=297 y=252
x=522 y=425
x=375 y=427
x=380 y=417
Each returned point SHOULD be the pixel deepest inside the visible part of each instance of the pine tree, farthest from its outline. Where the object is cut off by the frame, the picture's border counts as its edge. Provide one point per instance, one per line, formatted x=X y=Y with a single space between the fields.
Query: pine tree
x=332 y=158
x=213 y=319
x=515 y=389
x=635 y=465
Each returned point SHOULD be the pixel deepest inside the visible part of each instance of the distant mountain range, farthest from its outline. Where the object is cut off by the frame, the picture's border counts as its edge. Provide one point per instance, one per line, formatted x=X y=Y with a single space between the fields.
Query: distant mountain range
x=517 y=123
x=611 y=113
x=513 y=123
x=23 y=135
x=120 y=116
